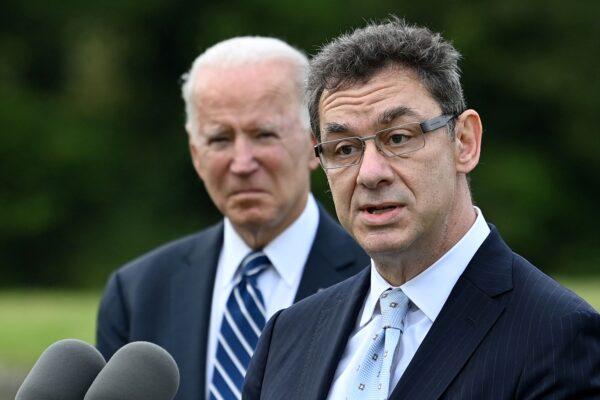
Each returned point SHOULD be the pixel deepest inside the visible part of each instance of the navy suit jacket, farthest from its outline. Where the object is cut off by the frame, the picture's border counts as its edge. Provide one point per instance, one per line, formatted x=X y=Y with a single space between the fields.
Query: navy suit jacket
x=507 y=331
x=165 y=296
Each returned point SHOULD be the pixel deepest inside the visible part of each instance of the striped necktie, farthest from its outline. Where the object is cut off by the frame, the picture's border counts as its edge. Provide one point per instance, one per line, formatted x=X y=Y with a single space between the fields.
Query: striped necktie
x=375 y=370
x=243 y=321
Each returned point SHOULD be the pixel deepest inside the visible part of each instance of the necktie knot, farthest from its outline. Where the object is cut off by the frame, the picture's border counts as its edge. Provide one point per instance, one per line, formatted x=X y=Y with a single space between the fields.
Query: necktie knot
x=394 y=306
x=254 y=263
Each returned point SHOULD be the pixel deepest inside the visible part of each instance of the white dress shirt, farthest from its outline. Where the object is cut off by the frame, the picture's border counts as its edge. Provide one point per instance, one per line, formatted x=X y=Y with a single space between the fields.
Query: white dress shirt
x=427 y=292
x=278 y=285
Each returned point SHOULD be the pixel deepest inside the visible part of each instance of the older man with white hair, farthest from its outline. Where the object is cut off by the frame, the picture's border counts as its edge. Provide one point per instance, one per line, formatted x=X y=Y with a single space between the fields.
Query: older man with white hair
x=206 y=297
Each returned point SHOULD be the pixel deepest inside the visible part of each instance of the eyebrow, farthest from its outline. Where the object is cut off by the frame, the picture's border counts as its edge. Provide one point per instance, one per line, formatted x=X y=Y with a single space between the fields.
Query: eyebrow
x=220 y=129
x=265 y=126
x=391 y=114
x=215 y=130
x=336 y=127
x=384 y=118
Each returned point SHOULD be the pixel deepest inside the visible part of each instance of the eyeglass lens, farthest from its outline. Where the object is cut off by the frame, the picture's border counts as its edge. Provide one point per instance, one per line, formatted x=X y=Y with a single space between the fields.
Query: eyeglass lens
x=391 y=142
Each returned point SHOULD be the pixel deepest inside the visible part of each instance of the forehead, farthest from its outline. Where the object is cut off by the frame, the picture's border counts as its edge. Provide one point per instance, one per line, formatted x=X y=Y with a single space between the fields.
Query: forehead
x=259 y=90
x=391 y=94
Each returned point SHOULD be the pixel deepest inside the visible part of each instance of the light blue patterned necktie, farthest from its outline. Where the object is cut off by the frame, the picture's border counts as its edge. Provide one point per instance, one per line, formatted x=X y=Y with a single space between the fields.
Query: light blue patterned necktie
x=243 y=321
x=372 y=380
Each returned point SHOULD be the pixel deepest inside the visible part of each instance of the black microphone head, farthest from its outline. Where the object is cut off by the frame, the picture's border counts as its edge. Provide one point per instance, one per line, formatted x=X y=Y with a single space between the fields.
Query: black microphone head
x=65 y=371
x=137 y=371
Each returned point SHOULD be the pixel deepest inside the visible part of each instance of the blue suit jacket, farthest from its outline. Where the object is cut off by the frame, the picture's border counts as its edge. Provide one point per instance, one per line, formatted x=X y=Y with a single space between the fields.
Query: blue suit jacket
x=507 y=331
x=165 y=296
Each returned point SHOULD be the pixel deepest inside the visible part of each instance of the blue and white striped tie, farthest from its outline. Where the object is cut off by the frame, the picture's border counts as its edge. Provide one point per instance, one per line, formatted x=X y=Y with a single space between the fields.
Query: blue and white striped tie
x=243 y=321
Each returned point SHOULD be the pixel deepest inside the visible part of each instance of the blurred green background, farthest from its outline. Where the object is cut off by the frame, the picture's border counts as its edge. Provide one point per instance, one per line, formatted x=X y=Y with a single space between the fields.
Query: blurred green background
x=94 y=159
x=94 y=154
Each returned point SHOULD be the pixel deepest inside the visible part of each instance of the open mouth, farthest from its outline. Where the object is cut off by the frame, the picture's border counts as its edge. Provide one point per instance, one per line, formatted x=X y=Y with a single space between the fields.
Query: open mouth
x=380 y=209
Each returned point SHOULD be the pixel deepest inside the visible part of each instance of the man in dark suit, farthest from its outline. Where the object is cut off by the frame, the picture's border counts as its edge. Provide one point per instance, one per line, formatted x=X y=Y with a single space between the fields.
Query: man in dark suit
x=446 y=310
x=206 y=297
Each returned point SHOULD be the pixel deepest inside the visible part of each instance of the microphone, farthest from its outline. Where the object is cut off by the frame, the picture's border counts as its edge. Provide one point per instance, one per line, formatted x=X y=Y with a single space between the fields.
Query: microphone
x=138 y=370
x=65 y=371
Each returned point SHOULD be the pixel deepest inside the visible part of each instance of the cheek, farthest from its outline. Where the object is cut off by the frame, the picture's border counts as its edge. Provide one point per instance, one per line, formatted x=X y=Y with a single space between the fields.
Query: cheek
x=211 y=170
x=288 y=165
x=436 y=184
x=280 y=175
x=276 y=165
x=213 y=173
x=342 y=189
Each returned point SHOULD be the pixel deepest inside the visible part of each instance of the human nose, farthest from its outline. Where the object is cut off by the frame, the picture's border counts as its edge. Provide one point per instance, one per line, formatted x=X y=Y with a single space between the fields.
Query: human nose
x=243 y=159
x=374 y=168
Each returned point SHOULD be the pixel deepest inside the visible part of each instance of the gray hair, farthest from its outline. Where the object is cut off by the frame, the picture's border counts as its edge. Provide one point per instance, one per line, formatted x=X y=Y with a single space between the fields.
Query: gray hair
x=357 y=56
x=241 y=51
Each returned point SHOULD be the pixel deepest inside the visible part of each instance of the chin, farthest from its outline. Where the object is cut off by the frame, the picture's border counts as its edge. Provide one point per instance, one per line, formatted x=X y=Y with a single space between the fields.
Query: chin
x=383 y=244
x=249 y=219
x=256 y=216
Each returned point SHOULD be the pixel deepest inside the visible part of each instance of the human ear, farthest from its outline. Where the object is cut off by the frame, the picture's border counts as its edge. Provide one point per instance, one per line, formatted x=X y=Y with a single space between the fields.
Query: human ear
x=468 y=132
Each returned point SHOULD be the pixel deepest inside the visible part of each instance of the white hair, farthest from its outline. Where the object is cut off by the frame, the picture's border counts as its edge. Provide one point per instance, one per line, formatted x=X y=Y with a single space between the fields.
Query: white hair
x=241 y=51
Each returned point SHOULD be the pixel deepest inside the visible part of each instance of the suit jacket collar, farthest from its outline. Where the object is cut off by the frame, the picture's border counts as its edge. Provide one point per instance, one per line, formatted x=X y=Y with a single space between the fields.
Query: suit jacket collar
x=336 y=321
x=193 y=288
x=330 y=254
x=471 y=310
x=491 y=267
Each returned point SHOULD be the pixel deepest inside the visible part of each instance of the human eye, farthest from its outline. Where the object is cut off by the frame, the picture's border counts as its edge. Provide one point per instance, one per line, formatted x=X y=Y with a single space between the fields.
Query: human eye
x=218 y=140
x=346 y=148
x=266 y=134
x=396 y=137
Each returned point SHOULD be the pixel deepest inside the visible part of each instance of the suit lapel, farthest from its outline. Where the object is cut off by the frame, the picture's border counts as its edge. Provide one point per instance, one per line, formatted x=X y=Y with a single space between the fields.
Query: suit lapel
x=330 y=256
x=192 y=290
x=334 y=326
x=470 y=311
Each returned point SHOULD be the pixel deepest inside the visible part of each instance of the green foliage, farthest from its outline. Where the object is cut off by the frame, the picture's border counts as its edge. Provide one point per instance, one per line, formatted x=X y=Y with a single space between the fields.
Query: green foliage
x=94 y=155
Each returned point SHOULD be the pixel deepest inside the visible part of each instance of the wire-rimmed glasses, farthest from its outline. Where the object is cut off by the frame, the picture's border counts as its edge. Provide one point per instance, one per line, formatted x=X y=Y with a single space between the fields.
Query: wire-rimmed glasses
x=391 y=142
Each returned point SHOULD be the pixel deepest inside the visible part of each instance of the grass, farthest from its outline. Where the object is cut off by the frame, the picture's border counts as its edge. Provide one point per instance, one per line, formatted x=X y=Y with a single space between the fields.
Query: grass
x=32 y=320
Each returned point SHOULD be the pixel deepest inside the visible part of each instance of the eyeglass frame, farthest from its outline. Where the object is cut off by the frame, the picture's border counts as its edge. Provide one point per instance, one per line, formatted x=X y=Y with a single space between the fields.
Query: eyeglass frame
x=427 y=126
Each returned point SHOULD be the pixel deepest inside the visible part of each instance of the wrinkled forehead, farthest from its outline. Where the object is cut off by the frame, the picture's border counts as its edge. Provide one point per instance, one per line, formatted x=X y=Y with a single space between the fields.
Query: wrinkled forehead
x=254 y=81
x=390 y=96
x=256 y=95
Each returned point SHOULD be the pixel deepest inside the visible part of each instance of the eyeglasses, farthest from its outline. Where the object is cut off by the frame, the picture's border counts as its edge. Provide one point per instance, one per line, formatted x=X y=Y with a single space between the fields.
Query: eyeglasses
x=391 y=142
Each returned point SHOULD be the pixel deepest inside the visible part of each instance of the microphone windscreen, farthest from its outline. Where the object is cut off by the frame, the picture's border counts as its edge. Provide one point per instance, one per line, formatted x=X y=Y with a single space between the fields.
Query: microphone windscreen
x=65 y=371
x=138 y=370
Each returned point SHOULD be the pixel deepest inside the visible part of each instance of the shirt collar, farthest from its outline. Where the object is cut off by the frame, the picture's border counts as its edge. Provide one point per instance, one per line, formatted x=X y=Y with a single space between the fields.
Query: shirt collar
x=378 y=286
x=430 y=289
x=288 y=252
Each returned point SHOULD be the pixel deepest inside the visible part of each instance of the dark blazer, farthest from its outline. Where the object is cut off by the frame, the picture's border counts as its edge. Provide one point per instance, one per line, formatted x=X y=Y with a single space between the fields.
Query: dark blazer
x=165 y=296
x=507 y=331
